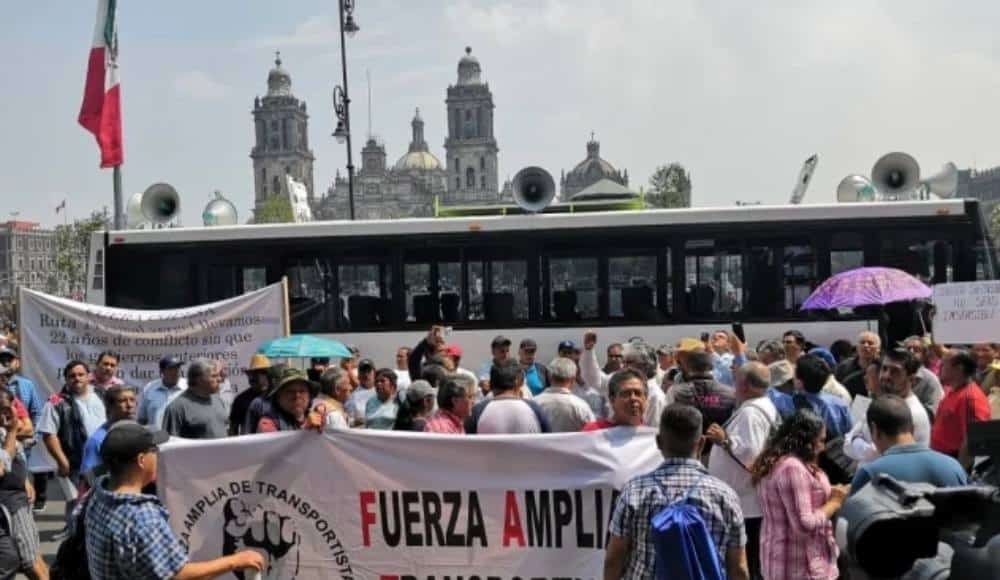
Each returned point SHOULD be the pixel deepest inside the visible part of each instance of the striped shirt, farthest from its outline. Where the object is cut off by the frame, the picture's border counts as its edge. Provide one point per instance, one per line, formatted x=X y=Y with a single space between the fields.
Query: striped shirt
x=796 y=540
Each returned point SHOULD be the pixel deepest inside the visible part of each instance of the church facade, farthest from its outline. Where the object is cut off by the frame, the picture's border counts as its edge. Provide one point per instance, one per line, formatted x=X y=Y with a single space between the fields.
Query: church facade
x=281 y=147
x=409 y=187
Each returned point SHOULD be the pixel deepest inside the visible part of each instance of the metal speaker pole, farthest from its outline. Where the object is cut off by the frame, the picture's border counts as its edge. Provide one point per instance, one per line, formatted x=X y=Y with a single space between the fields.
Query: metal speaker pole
x=533 y=189
x=161 y=203
x=896 y=175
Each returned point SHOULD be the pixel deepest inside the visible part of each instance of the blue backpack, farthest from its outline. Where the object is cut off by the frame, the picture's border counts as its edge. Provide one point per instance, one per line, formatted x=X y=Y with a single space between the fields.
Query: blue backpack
x=683 y=545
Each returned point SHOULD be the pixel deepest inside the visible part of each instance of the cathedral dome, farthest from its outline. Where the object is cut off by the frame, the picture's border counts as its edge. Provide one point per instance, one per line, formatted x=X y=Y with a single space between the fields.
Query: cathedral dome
x=279 y=82
x=593 y=168
x=469 y=69
x=419 y=156
x=421 y=160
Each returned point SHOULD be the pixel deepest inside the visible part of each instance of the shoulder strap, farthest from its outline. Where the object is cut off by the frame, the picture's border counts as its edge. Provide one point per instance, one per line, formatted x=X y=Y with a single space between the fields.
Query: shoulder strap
x=687 y=494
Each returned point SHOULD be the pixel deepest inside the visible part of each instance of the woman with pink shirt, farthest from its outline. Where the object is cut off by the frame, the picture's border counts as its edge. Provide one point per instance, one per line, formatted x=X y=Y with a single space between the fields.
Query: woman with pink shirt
x=798 y=502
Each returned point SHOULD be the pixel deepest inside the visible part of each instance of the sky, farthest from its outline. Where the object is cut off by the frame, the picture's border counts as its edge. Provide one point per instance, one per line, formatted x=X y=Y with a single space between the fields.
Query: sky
x=740 y=93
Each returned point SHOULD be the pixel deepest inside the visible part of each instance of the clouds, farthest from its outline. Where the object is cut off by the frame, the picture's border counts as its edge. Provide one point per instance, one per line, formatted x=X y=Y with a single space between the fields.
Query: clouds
x=199 y=85
x=740 y=93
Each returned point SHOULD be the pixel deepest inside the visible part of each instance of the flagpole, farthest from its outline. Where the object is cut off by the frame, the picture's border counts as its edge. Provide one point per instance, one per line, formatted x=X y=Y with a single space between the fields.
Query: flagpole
x=119 y=217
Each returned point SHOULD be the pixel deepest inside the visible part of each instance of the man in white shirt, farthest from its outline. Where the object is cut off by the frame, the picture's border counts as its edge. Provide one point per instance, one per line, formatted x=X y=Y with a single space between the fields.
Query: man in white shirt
x=365 y=390
x=566 y=412
x=505 y=412
x=739 y=442
x=637 y=356
x=899 y=369
x=402 y=368
x=156 y=395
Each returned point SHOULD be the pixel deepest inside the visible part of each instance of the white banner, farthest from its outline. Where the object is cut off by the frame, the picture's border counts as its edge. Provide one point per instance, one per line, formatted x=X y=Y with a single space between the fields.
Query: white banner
x=967 y=312
x=56 y=330
x=403 y=506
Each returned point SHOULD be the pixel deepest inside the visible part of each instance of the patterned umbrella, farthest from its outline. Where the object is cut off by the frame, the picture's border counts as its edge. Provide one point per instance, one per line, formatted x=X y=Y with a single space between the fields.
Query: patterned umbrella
x=304 y=346
x=866 y=286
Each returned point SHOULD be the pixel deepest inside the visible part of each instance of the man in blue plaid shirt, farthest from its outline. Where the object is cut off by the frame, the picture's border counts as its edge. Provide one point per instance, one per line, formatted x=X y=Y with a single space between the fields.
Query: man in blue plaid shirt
x=631 y=554
x=127 y=534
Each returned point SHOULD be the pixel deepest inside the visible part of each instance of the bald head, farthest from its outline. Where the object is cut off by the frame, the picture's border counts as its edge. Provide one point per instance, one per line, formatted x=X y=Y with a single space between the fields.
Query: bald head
x=752 y=380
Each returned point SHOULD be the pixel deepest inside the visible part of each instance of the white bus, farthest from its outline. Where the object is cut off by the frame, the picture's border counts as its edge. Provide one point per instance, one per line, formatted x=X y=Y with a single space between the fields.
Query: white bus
x=658 y=274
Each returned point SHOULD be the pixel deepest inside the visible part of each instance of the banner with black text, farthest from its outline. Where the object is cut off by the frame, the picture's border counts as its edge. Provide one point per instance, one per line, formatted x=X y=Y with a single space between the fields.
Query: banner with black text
x=404 y=506
x=56 y=330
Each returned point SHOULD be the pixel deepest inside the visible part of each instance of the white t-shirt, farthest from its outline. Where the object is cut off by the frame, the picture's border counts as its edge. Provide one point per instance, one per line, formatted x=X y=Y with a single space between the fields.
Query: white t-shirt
x=508 y=416
x=91 y=411
x=565 y=411
x=858 y=443
x=357 y=404
x=403 y=379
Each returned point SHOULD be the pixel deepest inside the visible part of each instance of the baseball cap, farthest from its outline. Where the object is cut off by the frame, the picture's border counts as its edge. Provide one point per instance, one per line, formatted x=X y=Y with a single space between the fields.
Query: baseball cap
x=824 y=355
x=500 y=340
x=453 y=350
x=127 y=439
x=419 y=390
x=259 y=362
x=366 y=365
x=528 y=344
x=567 y=345
x=690 y=345
x=170 y=362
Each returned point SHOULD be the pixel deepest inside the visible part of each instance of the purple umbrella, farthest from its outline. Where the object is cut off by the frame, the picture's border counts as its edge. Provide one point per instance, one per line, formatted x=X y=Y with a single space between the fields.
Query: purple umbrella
x=866 y=286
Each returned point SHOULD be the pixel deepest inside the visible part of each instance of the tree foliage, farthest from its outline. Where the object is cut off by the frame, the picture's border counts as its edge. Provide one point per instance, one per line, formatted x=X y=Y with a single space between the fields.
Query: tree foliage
x=73 y=249
x=995 y=225
x=277 y=209
x=670 y=186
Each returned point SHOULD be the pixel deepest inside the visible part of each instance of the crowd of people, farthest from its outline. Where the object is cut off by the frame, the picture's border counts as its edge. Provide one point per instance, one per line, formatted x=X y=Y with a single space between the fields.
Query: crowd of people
x=763 y=440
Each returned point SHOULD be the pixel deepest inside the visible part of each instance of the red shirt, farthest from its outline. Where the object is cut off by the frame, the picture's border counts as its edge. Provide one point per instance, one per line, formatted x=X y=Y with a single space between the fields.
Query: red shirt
x=19 y=409
x=444 y=421
x=957 y=409
x=597 y=425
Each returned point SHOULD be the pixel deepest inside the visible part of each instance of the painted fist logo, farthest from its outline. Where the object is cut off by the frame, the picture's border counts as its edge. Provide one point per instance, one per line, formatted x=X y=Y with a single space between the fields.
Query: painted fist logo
x=273 y=535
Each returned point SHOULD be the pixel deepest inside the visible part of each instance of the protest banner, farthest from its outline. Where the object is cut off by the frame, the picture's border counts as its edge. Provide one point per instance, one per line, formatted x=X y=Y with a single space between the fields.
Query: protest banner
x=56 y=330
x=404 y=506
x=966 y=312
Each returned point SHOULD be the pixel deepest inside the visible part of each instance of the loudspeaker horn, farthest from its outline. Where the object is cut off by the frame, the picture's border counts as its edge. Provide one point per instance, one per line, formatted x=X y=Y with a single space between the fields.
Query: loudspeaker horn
x=855 y=188
x=533 y=189
x=896 y=175
x=133 y=212
x=160 y=203
x=944 y=183
x=219 y=212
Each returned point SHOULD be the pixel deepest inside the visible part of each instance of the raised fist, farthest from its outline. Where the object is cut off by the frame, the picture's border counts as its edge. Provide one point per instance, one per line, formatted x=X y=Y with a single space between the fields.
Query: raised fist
x=272 y=535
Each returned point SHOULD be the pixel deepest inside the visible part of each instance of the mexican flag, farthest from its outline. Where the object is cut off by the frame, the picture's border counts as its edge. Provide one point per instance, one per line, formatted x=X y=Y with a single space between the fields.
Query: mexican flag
x=101 y=112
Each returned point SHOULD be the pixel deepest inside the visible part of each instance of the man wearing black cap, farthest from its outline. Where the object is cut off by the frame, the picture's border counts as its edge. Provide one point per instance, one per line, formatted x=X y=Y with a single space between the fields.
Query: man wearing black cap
x=500 y=349
x=536 y=376
x=127 y=534
x=156 y=395
x=358 y=401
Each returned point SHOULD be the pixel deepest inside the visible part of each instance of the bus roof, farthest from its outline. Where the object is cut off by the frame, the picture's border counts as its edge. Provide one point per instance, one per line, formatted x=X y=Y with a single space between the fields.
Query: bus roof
x=633 y=218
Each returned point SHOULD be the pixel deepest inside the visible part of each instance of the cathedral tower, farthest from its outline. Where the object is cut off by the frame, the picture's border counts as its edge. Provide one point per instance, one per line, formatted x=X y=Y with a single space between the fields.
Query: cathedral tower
x=471 y=149
x=281 y=126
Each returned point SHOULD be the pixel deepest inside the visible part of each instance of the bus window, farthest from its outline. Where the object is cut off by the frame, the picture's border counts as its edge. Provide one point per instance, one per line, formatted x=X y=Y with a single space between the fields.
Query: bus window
x=632 y=287
x=430 y=300
x=498 y=290
x=799 y=276
x=713 y=278
x=929 y=260
x=573 y=289
x=846 y=252
x=253 y=278
x=310 y=297
x=365 y=295
x=419 y=302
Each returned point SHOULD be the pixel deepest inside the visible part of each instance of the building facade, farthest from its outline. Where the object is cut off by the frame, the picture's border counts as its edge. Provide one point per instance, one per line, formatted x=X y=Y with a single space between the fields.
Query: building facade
x=407 y=189
x=471 y=147
x=590 y=171
x=281 y=128
x=983 y=185
x=27 y=258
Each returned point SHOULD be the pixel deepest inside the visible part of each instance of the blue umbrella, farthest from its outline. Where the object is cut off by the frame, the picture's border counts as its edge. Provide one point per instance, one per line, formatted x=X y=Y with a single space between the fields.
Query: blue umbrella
x=304 y=346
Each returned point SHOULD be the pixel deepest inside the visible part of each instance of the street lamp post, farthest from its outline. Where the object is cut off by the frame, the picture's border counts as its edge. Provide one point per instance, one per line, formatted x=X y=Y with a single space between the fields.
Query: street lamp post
x=341 y=100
